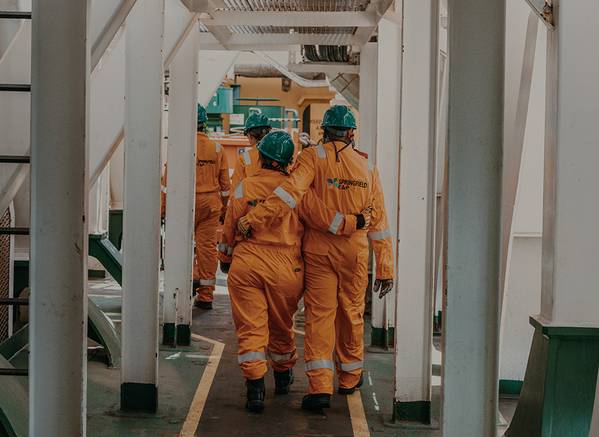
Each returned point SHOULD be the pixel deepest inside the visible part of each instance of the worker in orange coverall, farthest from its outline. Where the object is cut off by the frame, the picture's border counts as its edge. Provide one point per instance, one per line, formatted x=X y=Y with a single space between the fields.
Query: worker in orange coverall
x=248 y=163
x=266 y=277
x=336 y=273
x=212 y=194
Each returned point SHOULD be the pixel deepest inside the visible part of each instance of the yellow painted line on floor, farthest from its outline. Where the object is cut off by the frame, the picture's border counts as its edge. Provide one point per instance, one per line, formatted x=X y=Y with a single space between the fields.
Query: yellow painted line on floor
x=358 y=417
x=199 y=399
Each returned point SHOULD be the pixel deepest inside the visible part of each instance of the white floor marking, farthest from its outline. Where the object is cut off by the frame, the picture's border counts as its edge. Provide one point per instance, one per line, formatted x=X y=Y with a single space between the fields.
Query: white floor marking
x=376 y=402
x=199 y=399
x=358 y=417
x=369 y=379
x=174 y=356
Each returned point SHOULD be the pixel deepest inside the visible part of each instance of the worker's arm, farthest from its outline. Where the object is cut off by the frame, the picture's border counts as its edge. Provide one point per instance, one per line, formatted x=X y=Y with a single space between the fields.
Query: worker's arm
x=378 y=231
x=315 y=214
x=239 y=172
x=286 y=196
x=235 y=209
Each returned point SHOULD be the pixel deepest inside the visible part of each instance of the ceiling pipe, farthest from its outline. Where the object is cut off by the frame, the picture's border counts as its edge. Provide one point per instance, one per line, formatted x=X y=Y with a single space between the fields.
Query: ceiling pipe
x=306 y=83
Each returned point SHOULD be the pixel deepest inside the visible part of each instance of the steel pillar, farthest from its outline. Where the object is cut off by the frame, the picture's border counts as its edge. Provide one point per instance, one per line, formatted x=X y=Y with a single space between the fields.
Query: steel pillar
x=565 y=349
x=59 y=143
x=141 y=225
x=181 y=192
x=386 y=157
x=416 y=212
x=476 y=76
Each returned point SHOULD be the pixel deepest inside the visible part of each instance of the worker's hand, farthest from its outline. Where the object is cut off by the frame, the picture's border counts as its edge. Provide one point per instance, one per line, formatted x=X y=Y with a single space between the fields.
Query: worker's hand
x=363 y=219
x=244 y=227
x=224 y=267
x=382 y=286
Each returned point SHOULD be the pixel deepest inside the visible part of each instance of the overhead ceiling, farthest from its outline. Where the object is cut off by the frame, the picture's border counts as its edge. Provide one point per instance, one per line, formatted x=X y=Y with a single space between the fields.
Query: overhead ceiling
x=279 y=24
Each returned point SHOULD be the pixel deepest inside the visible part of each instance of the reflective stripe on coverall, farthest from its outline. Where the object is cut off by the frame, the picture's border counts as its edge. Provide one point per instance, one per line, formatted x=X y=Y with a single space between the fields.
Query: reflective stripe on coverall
x=212 y=192
x=336 y=266
x=248 y=163
x=266 y=279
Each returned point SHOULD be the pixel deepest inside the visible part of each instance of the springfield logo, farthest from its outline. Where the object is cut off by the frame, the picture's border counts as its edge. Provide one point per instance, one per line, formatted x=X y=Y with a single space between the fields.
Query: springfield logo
x=203 y=162
x=346 y=184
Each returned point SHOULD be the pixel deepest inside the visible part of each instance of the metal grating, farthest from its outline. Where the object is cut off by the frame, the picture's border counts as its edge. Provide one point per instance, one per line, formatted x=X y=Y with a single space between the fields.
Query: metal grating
x=4 y=274
x=296 y=5
x=288 y=30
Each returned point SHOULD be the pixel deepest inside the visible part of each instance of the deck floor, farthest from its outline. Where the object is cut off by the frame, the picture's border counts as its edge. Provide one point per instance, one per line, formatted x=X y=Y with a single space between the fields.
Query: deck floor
x=213 y=403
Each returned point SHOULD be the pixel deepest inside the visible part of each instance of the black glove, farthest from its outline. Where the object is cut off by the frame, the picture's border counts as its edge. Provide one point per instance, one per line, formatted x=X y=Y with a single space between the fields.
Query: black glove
x=224 y=267
x=382 y=285
x=360 y=221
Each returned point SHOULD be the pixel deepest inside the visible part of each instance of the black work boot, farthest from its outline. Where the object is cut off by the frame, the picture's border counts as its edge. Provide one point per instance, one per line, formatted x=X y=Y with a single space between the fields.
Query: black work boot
x=203 y=305
x=195 y=285
x=316 y=402
x=255 y=395
x=282 y=381
x=351 y=390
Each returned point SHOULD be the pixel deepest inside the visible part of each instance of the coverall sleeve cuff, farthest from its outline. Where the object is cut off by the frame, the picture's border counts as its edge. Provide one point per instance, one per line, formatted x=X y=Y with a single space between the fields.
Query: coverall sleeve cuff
x=349 y=224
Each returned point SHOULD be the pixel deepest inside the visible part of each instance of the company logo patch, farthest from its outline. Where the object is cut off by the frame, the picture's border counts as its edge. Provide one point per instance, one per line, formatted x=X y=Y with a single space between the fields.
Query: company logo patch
x=346 y=184
x=203 y=162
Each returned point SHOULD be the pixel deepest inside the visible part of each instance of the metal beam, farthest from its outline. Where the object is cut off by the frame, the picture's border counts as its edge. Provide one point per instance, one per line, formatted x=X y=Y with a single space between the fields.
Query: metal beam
x=378 y=8
x=109 y=31
x=59 y=143
x=180 y=198
x=475 y=141
x=270 y=41
x=141 y=225
x=329 y=68
x=367 y=19
x=416 y=210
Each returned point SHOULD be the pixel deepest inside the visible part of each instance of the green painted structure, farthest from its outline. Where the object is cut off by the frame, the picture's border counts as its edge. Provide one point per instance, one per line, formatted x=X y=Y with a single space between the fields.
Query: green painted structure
x=559 y=385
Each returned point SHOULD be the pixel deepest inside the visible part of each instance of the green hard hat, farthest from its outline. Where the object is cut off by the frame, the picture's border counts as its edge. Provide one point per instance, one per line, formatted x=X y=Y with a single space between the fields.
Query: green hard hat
x=254 y=121
x=202 y=115
x=339 y=117
x=277 y=146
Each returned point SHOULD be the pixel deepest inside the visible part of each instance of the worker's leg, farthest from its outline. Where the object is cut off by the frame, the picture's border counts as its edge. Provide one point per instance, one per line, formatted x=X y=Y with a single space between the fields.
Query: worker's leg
x=284 y=289
x=320 y=299
x=250 y=315
x=349 y=323
x=205 y=245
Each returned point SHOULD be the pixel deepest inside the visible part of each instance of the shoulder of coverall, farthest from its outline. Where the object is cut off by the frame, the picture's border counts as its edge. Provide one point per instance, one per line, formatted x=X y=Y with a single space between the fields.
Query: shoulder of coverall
x=259 y=185
x=249 y=156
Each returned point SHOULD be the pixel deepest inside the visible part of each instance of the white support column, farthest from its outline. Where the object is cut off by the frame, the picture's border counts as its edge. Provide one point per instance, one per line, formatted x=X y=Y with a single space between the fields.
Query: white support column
x=416 y=213
x=368 y=97
x=471 y=328
x=570 y=219
x=181 y=192
x=141 y=224
x=564 y=345
x=386 y=157
x=367 y=142
x=59 y=143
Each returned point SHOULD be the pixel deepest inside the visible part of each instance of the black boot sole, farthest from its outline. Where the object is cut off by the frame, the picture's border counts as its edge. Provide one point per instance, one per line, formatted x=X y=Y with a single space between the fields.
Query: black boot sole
x=316 y=405
x=255 y=406
x=346 y=391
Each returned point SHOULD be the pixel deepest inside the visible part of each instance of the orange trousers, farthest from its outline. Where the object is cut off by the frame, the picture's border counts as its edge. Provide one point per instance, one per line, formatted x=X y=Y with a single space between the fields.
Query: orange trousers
x=207 y=211
x=334 y=299
x=265 y=286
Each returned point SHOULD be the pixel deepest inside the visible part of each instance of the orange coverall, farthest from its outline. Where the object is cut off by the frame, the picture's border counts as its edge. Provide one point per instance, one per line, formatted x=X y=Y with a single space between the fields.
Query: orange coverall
x=266 y=278
x=212 y=193
x=248 y=163
x=336 y=263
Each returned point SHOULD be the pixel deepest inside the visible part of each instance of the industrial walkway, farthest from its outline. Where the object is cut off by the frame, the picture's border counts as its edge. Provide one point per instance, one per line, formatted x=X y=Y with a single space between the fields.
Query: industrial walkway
x=201 y=391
